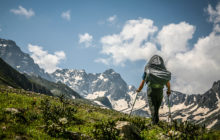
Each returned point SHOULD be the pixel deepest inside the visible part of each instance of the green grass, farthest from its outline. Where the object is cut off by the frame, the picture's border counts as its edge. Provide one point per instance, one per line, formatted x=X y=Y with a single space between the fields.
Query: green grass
x=39 y=118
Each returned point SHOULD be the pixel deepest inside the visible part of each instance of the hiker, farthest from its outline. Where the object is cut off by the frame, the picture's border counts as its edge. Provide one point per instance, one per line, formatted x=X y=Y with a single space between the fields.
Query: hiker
x=155 y=76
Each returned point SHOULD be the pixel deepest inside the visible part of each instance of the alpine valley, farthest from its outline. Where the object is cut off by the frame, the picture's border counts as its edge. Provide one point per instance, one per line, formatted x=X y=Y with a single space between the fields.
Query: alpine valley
x=109 y=90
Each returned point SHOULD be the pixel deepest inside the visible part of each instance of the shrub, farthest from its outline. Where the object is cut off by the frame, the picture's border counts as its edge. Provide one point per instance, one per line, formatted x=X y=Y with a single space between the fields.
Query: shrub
x=105 y=130
x=57 y=118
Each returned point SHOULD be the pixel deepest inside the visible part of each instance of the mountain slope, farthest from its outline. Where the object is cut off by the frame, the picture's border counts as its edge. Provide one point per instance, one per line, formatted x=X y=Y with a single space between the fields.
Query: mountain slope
x=56 y=89
x=19 y=60
x=10 y=77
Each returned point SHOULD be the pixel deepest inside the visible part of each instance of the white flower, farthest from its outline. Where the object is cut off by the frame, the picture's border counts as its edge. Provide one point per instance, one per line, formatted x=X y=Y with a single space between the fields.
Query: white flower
x=63 y=120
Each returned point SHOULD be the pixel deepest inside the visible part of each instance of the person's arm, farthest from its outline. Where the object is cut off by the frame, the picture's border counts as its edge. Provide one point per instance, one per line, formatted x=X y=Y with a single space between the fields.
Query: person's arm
x=142 y=82
x=168 y=88
x=141 y=86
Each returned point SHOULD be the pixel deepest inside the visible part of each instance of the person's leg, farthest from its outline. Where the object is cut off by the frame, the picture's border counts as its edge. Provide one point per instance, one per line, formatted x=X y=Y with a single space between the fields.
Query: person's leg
x=152 y=104
x=158 y=97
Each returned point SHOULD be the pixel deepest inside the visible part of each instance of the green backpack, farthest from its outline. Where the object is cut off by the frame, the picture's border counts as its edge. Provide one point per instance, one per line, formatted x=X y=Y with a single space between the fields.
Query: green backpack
x=156 y=73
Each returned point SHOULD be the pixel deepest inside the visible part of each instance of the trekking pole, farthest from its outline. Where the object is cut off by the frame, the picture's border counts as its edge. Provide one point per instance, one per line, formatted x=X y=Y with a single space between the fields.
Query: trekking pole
x=133 y=104
x=169 y=115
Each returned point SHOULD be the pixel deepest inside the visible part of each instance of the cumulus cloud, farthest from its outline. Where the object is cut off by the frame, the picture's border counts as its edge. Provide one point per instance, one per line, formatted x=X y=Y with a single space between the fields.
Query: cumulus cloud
x=214 y=14
x=130 y=43
x=173 y=38
x=194 y=68
x=45 y=60
x=66 y=15
x=197 y=69
x=112 y=19
x=85 y=39
x=23 y=12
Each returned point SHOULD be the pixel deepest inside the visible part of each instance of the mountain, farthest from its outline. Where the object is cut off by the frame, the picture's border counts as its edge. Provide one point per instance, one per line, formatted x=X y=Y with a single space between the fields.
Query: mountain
x=19 y=60
x=92 y=86
x=11 y=77
x=108 y=89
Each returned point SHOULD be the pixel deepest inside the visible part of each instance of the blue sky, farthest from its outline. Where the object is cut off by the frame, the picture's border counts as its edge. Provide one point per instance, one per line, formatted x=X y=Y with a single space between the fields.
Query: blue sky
x=76 y=34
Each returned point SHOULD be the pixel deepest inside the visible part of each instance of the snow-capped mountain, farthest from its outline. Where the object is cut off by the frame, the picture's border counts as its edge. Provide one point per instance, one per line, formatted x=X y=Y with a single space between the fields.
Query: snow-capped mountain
x=110 y=90
x=19 y=60
x=108 y=84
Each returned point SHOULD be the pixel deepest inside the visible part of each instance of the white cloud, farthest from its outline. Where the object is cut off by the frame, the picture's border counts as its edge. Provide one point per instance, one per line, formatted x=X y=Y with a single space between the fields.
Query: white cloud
x=214 y=14
x=197 y=69
x=130 y=43
x=45 y=60
x=173 y=38
x=66 y=15
x=102 y=60
x=85 y=39
x=112 y=19
x=24 y=12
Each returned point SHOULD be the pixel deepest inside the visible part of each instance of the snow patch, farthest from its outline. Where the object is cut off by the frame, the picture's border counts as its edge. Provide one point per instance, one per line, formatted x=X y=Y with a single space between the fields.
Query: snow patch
x=96 y=94
x=212 y=124
x=118 y=105
x=201 y=110
x=102 y=106
x=58 y=74
x=209 y=114
x=101 y=77
x=139 y=104
x=73 y=97
x=3 y=45
x=78 y=78
x=174 y=108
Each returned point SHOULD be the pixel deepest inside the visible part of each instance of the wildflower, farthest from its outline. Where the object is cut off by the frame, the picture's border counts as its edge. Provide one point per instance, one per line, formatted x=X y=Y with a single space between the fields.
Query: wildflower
x=63 y=120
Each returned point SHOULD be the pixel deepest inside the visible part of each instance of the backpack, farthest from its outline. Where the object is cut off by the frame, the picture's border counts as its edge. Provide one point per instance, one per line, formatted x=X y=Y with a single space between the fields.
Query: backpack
x=156 y=72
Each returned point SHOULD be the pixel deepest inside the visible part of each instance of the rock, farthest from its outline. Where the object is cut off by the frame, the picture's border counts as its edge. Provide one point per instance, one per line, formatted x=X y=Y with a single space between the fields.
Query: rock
x=12 y=110
x=20 y=138
x=89 y=111
x=77 y=136
x=4 y=128
x=128 y=131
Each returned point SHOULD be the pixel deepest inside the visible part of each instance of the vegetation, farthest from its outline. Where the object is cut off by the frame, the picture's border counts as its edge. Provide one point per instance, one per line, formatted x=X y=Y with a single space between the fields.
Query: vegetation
x=28 y=115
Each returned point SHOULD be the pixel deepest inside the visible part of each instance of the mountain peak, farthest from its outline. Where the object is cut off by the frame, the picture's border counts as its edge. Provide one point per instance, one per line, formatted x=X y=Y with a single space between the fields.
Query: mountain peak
x=22 y=62
x=216 y=86
x=4 y=41
x=9 y=44
x=109 y=71
x=216 y=83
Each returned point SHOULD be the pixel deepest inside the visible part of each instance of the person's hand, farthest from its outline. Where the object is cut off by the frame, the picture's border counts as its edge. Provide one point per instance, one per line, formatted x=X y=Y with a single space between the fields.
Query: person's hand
x=138 y=90
x=168 y=92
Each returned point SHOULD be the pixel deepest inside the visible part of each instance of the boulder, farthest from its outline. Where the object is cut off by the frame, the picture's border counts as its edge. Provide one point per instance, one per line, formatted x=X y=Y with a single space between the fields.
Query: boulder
x=128 y=131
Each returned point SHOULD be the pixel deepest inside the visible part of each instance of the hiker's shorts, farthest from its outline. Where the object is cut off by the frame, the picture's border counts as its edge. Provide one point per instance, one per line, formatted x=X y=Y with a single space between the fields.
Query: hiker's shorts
x=155 y=96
